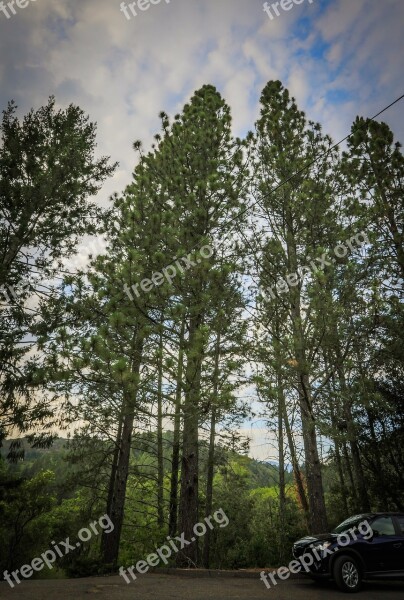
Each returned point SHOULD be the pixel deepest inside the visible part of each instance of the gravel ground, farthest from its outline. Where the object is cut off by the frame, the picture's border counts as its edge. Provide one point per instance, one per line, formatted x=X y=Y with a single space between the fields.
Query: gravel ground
x=156 y=587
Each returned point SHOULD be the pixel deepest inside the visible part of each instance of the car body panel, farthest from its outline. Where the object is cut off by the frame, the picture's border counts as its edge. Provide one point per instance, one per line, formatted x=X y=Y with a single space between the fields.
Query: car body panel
x=379 y=557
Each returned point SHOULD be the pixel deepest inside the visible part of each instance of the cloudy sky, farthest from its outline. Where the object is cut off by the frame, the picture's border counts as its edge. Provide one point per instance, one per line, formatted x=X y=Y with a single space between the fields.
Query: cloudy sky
x=339 y=58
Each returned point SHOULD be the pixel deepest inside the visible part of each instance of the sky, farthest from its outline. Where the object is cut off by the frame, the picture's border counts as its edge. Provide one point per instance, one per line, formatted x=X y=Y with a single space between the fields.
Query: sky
x=338 y=58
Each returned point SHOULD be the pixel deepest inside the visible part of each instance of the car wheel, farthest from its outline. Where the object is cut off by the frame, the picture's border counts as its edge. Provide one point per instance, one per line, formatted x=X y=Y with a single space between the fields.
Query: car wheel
x=347 y=574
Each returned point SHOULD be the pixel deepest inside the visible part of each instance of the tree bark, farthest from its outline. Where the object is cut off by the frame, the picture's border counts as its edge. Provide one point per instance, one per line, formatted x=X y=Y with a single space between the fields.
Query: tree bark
x=362 y=495
x=117 y=510
x=211 y=455
x=282 y=490
x=189 y=555
x=173 y=519
x=111 y=487
x=301 y=492
x=160 y=456
x=344 y=491
x=318 y=515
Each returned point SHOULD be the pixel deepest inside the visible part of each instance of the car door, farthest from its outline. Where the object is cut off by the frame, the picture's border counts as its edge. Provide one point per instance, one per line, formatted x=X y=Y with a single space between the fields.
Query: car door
x=383 y=550
x=399 y=519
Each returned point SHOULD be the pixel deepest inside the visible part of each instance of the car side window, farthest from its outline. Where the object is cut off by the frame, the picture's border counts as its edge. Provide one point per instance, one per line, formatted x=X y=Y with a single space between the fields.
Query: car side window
x=384 y=526
x=400 y=520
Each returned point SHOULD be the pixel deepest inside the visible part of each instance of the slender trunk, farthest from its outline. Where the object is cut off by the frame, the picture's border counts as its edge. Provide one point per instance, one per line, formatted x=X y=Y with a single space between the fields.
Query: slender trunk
x=281 y=449
x=360 y=481
x=318 y=515
x=175 y=466
x=378 y=473
x=282 y=490
x=209 y=488
x=112 y=478
x=160 y=456
x=211 y=455
x=349 y=470
x=364 y=504
x=111 y=547
x=301 y=492
x=344 y=491
x=338 y=461
x=190 y=461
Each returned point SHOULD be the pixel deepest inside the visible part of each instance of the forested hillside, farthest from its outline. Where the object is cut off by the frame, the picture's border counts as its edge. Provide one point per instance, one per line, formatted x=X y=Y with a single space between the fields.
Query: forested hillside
x=247 y=491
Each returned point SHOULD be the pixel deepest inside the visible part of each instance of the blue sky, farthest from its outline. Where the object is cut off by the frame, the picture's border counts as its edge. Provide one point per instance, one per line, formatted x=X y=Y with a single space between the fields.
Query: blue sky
x=339 y=58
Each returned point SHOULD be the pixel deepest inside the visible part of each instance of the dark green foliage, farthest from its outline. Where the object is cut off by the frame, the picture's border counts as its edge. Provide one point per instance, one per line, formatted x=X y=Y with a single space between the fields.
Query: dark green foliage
x=47 y=174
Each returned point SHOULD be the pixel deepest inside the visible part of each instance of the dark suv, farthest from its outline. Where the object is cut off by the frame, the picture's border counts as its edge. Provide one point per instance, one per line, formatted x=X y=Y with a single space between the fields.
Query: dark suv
x=367 y=546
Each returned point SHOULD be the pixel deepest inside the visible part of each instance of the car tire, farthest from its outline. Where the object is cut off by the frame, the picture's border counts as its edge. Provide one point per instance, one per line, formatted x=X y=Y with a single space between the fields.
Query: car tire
x=347 y=574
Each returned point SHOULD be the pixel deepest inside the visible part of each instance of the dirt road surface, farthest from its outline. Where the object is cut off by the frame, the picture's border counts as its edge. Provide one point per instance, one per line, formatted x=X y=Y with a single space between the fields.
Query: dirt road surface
x=164 y=587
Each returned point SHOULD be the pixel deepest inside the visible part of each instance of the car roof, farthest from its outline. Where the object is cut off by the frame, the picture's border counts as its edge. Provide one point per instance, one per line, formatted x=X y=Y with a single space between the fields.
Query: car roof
x=384 y=514
x=372 y=515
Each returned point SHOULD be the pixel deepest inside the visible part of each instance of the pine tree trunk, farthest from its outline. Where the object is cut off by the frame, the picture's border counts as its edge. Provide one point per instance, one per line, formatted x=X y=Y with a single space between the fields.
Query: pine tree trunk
x=111 y=547
x=349 y=471
x=301 y=492
x=190 y=460
x=318 y=515
x=172 y=528
x=379 y=469
x=362 y=494
x=281 y=416
x=338 y=460
x=344 y=492
x=360 y=481
x=111 y=487
x=209 y=488
x=211 y=455
x=160 y=456
x=282 y=491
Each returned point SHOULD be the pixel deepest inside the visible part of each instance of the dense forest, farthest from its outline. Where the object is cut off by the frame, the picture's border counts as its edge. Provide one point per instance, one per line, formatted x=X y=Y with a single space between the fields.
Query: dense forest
x=241 y=278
